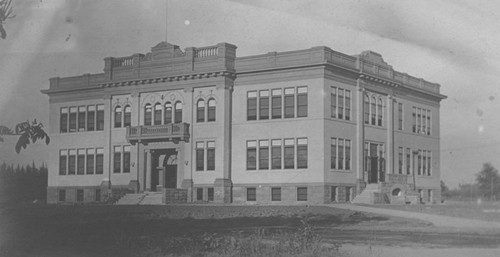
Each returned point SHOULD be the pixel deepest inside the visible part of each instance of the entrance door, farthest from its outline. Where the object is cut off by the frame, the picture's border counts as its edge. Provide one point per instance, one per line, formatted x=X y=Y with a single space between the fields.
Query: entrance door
x=171 y=176
x=373 y=172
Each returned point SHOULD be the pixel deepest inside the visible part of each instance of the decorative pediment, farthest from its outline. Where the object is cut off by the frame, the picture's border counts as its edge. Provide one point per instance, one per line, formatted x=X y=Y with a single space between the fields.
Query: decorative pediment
x=165 y=50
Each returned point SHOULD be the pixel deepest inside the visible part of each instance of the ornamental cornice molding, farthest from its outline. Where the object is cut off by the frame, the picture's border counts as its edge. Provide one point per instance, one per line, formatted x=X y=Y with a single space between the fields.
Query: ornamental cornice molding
x=146 y=81
x=378 y=80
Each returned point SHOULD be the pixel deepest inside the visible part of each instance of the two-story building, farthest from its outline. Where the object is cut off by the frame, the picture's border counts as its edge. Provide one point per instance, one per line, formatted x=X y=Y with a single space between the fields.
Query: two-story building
x=311 y=125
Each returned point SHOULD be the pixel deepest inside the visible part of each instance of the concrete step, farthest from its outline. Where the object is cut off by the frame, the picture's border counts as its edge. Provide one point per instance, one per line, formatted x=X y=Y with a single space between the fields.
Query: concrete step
x=371 y=195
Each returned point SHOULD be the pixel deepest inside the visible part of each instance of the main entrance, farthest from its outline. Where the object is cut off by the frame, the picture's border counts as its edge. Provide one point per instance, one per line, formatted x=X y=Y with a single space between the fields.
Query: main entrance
x=163 y=169
x=374 y=162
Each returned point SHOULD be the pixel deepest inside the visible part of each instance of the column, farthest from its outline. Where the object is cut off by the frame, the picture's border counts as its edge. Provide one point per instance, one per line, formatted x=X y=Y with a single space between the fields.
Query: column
x=223 y=183
x=148 y=170
x=185 y=163
x=108 y=148
x=389 y=163
x=360 y=136
x=136 y=110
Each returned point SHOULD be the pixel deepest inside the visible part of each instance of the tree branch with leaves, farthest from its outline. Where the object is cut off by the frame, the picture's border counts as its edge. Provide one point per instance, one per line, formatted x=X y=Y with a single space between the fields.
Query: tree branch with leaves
x=27 y=132
x=5 y=14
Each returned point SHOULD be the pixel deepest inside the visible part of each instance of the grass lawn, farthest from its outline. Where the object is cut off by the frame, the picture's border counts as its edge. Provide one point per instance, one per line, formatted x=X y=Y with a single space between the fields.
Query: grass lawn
x=104 y=230
x=487 y=211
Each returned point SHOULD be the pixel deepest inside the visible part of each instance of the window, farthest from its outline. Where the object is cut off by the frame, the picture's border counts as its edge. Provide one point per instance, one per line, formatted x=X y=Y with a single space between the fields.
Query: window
x=424 y=122
x=251 y=155
x=276 y=194
x=347 y=154
x=100 y=117
x=302 y=102
x=333 y=153
x=63 y=121
x=211 y=110
x=99 y=161
x=211 y=155
x=302 y=153
x=373 y=111
x=348 y=194
x=400 y=160
x=333 y=102
x=380 y=112
x=367 y=109
x=289 y=103
x=210 y=194
x=276 y=103
x=276 y=153
x=347 y=110
x=414 y=114
x=81 y=118
x=289 y=153
x=168 y=113
x=117 y=155
x=340 y=109
x=251 y=194
x=91 y=118
x=126 y=159
x=408 y=161
x=127 y=116
x=301 y=193
x=178 y=112
x=199 y=194
x=80 y=163
x=72 y=162
x=264 y=105
x=419 y=163
x=118 y=117
x=200 y=111
x=62 y=195
x=200 y=151
x=429 y=164
x=334 y=193
x=424 y=163
x=340 y=154
x=98 y=195
x=263 y=154
x=252 y=105
x=63 y=159
x=90 y=161
x=429 y=122
x=157 y=114
x=148 y=114
x=79 y=195
x=400 y=116
x=429 y=195
x=72 y=119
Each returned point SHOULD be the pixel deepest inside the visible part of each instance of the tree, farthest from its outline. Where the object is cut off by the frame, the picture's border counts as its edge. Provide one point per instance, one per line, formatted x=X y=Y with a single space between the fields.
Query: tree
x=5 y=13
x=444 y=188
x=488 y=180
x=27 y=132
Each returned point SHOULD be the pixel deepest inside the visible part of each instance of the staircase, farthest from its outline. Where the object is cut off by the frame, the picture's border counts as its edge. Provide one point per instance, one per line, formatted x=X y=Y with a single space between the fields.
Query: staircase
x=146 y=198
x=371 y=195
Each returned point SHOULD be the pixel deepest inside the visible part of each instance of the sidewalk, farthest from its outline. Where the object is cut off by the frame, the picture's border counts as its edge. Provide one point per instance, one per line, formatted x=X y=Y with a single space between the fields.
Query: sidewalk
x=436 y=220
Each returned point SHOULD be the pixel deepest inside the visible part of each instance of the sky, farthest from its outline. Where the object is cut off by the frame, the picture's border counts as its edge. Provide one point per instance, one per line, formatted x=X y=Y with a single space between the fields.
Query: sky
x=451 y=42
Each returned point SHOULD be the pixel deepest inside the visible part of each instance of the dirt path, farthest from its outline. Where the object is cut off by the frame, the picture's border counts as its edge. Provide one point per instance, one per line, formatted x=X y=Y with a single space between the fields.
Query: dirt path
x=437 y=220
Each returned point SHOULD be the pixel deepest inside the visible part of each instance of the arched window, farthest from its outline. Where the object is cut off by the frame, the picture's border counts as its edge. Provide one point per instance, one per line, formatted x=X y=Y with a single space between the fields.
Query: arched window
x=147 y=114
x=367 y=109
x=157 y=114
x=178 y=112
x=127 y=116
x=211 y=109
x=374 y=110
x=380 y=112
x=118 y=116
x=200 y=111
x=168 y=113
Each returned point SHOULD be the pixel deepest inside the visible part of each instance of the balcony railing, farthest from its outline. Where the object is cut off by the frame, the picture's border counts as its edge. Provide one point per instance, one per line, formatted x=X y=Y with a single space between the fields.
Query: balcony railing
x=156 y=133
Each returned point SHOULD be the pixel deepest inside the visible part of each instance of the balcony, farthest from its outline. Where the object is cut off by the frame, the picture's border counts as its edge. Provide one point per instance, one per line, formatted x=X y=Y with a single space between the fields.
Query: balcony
x=158 y=133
